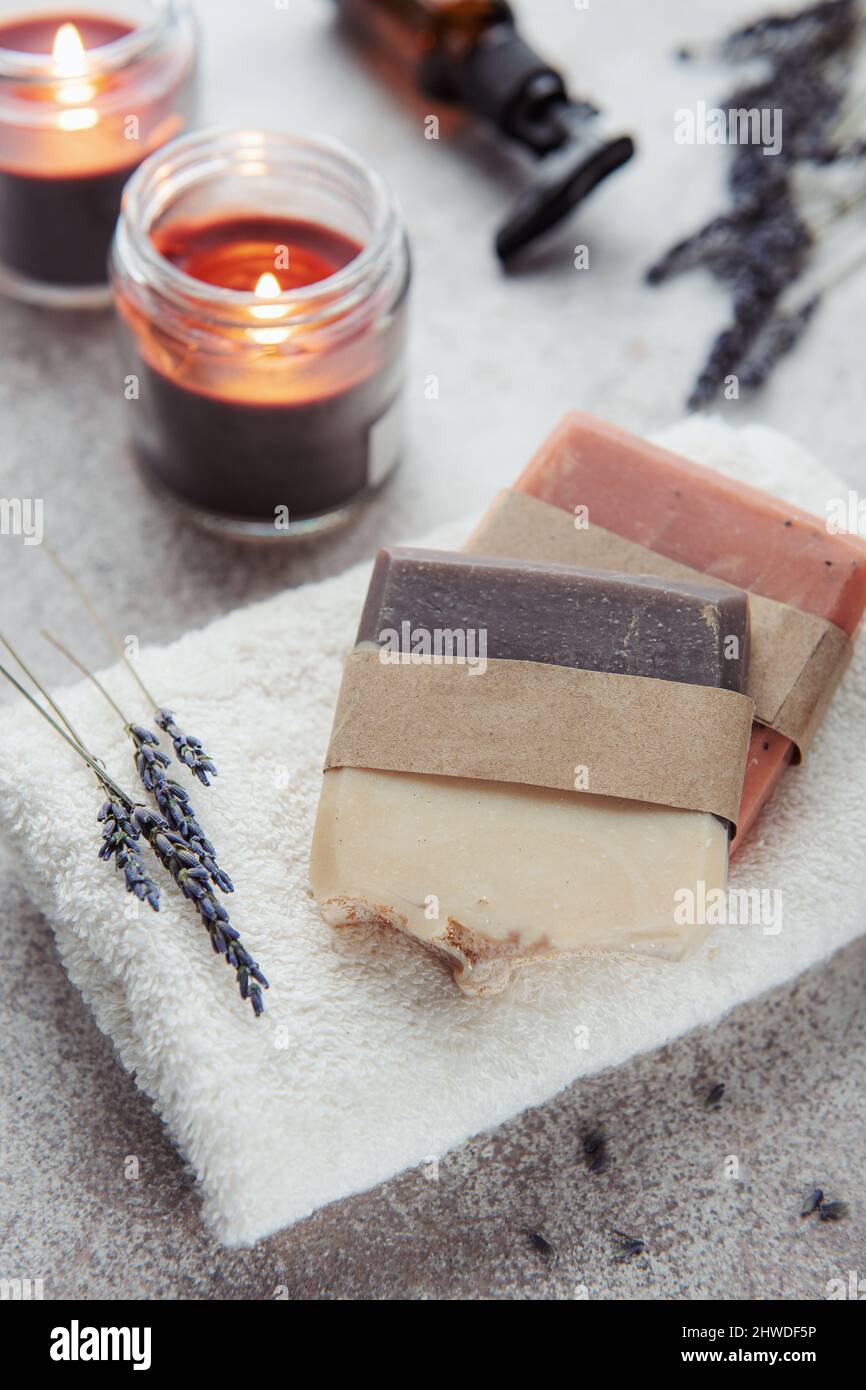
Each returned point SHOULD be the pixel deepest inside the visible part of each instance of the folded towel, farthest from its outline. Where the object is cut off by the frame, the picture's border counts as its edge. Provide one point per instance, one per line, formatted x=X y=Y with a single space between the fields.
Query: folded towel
x=368 y=1060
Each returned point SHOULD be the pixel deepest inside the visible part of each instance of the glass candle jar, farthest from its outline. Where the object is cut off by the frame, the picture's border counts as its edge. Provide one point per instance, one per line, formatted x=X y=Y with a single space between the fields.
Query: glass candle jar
x=85 y=95
x=262 y=282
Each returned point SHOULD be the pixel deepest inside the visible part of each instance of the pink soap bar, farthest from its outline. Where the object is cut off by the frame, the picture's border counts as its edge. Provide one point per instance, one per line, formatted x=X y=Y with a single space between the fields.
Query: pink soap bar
x=700 y=518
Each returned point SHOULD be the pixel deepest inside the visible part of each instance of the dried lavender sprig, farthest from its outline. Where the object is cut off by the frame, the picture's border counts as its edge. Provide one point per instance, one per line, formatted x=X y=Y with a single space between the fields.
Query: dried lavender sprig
x=188 y=749
x=192 y=879
x=150 y=763
x=170 y=851
x=763 y=245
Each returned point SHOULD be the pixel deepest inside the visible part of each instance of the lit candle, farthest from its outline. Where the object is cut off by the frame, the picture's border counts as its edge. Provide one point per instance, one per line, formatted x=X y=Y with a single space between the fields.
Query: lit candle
x=262 y=281
x=84 y=98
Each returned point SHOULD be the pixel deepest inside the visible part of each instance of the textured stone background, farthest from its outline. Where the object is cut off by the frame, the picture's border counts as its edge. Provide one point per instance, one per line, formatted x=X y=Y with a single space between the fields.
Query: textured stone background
x=793 y=1064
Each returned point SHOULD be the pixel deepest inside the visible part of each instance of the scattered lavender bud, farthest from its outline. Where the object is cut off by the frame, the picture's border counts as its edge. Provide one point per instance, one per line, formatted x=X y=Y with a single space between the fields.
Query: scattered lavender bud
x=542 y=1245
x=595 y=1151
x=714 y=1097
x=832 y=1211
x=594 y=1141
x=629 y=1246
x=813 y=1201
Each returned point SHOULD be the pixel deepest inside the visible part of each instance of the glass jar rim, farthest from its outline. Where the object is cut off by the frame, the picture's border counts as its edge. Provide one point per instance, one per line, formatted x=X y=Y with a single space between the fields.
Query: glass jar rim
x=105 y=58
x=339 y=292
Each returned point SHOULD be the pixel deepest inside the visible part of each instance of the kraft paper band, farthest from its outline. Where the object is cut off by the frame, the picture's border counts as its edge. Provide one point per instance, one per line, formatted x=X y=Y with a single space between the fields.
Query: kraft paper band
x=797 y=659
x=639 y=738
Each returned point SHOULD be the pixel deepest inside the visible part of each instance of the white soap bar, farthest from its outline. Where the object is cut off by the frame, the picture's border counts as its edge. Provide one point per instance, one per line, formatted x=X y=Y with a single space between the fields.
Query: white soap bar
x=493 y=875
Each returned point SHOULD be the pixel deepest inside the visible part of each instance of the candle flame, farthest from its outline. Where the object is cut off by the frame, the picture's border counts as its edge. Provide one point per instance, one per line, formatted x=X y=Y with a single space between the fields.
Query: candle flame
x=268 y=287
x=68 y=52
x=70 y=61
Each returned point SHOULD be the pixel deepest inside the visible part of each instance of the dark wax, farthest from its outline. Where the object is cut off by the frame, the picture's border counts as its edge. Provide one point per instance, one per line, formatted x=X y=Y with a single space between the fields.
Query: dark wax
x=58 y=229
x=596 y=621
x=246 y=460
x=243 y=459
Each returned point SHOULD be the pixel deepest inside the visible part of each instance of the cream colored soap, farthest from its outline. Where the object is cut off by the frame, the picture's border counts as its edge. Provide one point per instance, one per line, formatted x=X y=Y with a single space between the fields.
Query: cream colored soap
x=494 y=875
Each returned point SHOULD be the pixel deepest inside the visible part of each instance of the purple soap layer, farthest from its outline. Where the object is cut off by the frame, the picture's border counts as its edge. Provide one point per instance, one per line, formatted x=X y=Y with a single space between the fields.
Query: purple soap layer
x=596 y=621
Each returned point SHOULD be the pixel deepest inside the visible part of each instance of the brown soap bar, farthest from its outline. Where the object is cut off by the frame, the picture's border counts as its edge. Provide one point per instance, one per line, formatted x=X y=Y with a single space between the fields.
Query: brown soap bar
x=697 y=634
x=490 y=872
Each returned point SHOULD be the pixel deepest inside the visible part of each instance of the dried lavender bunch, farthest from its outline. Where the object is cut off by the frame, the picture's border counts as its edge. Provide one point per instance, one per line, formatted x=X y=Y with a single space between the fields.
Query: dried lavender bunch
x=192 y=879
x=169 y=848
x=763 y=245
x=121 y=842
x=187 y=750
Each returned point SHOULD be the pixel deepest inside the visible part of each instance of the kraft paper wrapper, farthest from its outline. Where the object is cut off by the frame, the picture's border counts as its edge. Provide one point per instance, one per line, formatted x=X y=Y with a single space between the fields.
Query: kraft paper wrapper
x=796 y=661
x=522 y=721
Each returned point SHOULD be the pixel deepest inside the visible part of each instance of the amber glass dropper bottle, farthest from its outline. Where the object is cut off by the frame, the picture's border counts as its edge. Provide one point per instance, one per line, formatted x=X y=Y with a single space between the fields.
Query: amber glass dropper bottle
x=470 y=52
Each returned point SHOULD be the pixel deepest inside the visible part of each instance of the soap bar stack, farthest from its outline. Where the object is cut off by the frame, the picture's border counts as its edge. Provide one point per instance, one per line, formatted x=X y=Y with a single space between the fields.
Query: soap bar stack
x=450 y=816
x=727 y=530
x=489 y=872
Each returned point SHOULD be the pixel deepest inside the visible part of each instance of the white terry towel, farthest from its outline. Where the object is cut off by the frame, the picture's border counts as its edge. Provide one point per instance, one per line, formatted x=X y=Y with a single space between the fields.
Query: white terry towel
x=368 y=1059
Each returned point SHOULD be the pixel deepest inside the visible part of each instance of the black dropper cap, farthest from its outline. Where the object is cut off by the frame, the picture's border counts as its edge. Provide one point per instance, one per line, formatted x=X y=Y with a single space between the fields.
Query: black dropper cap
x=502 y=78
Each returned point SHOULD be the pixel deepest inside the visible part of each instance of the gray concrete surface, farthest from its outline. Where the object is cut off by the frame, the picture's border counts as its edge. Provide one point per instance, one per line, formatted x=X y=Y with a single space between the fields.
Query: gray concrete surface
x=795 y=1107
